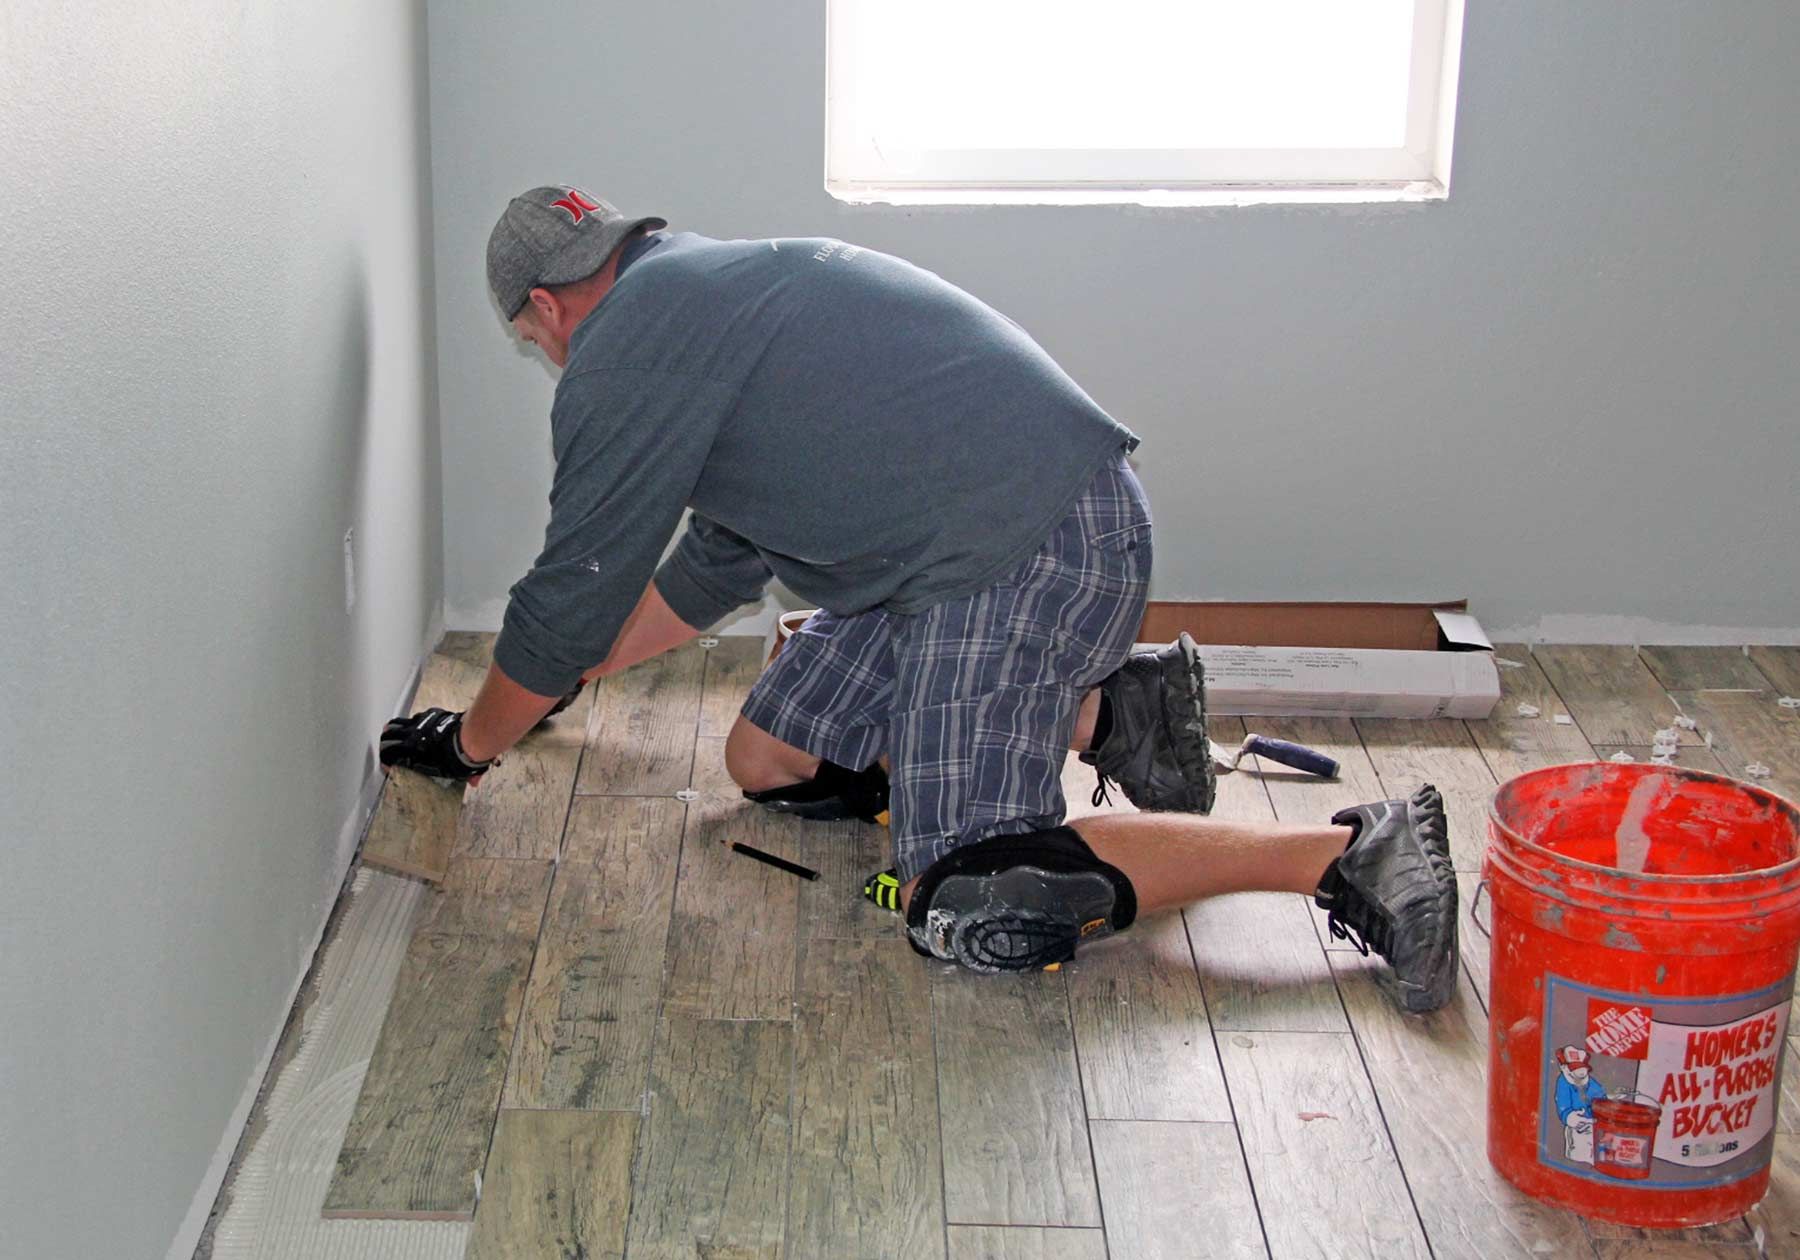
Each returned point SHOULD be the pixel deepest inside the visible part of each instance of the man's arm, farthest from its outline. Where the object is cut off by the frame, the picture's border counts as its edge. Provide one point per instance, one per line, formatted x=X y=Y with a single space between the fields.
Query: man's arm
x=652 y=629
x=500 y=716
x=504 y=711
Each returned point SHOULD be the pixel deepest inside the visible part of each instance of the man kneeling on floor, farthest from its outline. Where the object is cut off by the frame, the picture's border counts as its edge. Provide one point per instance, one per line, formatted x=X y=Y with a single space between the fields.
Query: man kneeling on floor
x=911 y=461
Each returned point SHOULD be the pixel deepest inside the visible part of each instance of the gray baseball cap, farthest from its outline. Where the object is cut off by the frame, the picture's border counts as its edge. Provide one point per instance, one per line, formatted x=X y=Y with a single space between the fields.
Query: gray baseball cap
x=553 y=235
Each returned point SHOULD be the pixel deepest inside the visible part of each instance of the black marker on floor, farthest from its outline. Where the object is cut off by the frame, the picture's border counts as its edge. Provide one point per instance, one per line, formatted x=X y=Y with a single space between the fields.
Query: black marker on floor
x=792 y=868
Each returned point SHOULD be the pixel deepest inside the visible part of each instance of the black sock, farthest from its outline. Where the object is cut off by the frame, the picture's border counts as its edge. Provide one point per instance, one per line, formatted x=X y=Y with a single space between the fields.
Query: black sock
x=1102 y=722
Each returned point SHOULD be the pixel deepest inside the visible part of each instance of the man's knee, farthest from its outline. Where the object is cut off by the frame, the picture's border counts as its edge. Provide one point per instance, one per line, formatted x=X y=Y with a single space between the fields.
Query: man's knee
x=1018 y=902
x=757 y=761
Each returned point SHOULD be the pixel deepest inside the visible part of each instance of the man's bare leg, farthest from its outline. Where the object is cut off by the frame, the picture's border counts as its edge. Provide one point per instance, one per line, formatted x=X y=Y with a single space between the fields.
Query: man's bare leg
x=1177 y=859
x=757 y=761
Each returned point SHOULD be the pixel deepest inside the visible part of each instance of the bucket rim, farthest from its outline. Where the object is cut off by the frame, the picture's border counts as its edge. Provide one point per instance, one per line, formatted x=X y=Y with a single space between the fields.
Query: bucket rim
x=1787 y=868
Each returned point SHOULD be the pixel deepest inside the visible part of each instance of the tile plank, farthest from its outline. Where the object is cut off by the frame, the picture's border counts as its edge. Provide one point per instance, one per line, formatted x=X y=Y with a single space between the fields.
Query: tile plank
x=1141 y=1027
x=1024 y=1242
x=640 y=737
x=590 y=1012
x=845 y=854
x=712 y=1179
x=1320 y=1159
x=1703 y=668
x=1750 y=727
x=1693 y=756
x=1009 y=1100
x=1513 y=744
x=732 y=668
x=1258 y=953
x=1658 y=1248
x=421 y=1126
x=1474 y=925
x=558 y=1184
x=1633 y=1242
x=1780 y=665
x=1439 y=751
x=1304 y=798
x=1261 y=963
x=1430 y=1073
x=1166 y=1186
x=519 y=807
x=415 y=828
x=732 y=946
x=1775 y=1222
x=1787 y=1114
x=866 y=1172
x=1610 y=692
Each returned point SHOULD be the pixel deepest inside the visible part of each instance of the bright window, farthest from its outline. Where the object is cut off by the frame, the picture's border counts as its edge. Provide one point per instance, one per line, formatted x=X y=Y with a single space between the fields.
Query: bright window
x=1140 y=100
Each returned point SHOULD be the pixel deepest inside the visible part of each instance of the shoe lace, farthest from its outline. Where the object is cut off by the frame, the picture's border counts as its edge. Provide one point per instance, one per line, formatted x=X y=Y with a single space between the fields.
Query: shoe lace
x=1354 y=920
x=1101 y=795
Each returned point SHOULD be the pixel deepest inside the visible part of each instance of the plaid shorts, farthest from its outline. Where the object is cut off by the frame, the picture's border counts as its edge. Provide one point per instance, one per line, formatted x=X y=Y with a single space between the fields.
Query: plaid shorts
x=973 y=700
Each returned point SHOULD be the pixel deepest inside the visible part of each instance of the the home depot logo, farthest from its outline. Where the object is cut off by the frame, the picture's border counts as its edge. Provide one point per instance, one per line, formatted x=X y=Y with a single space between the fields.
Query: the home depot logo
x=1619 y=1032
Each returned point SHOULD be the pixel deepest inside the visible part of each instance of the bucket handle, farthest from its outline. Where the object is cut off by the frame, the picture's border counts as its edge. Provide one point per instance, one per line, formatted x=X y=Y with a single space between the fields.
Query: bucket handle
x=1475 y=905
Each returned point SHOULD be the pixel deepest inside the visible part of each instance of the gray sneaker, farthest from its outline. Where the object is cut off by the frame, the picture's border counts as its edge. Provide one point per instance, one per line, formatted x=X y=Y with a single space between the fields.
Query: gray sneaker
x=1157 y=749
x=1394 y=890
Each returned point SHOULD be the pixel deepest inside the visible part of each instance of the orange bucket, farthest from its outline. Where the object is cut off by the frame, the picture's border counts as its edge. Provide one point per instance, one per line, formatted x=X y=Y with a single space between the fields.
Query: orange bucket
x=1624 y=1136
x=1646 y=921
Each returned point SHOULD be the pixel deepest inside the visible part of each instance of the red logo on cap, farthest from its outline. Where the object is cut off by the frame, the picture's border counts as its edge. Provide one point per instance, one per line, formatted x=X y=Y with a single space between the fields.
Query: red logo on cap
x=576 y=203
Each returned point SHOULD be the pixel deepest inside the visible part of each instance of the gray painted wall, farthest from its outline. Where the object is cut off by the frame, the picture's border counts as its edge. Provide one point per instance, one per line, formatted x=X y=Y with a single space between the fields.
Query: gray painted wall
x=215 y=358
x=1569 y=392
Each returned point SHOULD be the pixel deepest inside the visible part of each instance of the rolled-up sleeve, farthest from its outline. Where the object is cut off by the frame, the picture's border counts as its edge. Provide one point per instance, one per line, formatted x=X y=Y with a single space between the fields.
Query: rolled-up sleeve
x=629 y=447
x=711 y=572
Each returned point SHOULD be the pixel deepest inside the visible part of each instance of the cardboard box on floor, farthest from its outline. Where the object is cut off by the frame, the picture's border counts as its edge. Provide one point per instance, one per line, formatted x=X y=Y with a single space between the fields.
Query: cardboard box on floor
x=1335 y=660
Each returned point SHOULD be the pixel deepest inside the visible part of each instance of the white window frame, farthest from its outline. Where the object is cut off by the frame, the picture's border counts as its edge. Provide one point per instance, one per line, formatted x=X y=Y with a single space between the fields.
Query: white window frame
x=1419 y=170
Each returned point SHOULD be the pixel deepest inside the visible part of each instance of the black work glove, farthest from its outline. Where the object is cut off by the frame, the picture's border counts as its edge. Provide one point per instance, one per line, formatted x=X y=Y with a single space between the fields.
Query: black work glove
x=565 y=702
x=430 y=743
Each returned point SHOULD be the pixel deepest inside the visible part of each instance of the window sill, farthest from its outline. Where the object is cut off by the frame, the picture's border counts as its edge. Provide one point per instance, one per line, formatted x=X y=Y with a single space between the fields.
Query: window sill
x=1200 y=196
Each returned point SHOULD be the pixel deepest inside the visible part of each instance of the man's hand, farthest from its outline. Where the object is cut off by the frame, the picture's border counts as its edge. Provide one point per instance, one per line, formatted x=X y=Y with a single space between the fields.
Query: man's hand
x=431 y=743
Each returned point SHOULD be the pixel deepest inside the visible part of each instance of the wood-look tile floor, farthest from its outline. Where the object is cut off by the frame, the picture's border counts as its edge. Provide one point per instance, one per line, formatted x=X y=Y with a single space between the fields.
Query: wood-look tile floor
x=638 y=1043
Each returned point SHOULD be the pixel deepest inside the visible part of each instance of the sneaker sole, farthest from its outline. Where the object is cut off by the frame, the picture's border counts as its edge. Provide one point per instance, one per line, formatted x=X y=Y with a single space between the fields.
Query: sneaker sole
x=1187 y=725
x=1423 y=808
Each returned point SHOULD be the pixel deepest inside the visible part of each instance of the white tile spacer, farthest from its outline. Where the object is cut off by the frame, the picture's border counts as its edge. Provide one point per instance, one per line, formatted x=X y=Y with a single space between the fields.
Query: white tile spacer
x=687 y=794
x=1563 y=719
x=1757 y=770
x=710 y=642
x=1789 y=702
x=1506 y=663
x=1529 y=710
x=1686 y=723
x=1622 y=757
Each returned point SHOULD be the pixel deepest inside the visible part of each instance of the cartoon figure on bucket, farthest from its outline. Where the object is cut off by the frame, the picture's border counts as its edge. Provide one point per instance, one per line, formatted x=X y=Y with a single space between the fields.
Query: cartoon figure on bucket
x=1575 y=1094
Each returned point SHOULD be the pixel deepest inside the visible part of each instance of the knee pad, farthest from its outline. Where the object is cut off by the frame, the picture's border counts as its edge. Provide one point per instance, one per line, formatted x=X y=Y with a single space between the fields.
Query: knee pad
x=833 y=793
x=1018 y=903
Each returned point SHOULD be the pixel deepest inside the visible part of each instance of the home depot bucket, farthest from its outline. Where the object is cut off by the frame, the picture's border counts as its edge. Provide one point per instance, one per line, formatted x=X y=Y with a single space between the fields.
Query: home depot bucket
x=1645 y=925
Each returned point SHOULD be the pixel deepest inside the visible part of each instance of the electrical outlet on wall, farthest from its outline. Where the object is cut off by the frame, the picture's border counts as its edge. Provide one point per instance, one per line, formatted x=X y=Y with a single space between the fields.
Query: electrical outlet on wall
x=350 y=569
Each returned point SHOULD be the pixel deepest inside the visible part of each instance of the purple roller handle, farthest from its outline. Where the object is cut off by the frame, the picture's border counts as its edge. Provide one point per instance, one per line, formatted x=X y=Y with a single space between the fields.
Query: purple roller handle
x=1288 y=753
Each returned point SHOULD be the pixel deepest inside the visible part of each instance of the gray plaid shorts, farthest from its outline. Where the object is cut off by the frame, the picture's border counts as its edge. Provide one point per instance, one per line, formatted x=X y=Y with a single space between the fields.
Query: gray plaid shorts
x=973 y=700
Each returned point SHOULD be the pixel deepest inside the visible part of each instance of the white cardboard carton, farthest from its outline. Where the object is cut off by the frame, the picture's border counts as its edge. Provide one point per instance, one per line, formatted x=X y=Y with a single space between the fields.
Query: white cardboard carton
x=1459 y=680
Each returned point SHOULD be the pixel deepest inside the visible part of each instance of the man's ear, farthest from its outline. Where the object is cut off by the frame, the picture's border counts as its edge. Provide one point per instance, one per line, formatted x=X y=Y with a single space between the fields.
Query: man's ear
x=548 y=307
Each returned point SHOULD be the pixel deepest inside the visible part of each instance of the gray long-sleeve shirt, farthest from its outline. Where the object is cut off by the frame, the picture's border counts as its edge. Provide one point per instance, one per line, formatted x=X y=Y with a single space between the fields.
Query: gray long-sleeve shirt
x=835 y=417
